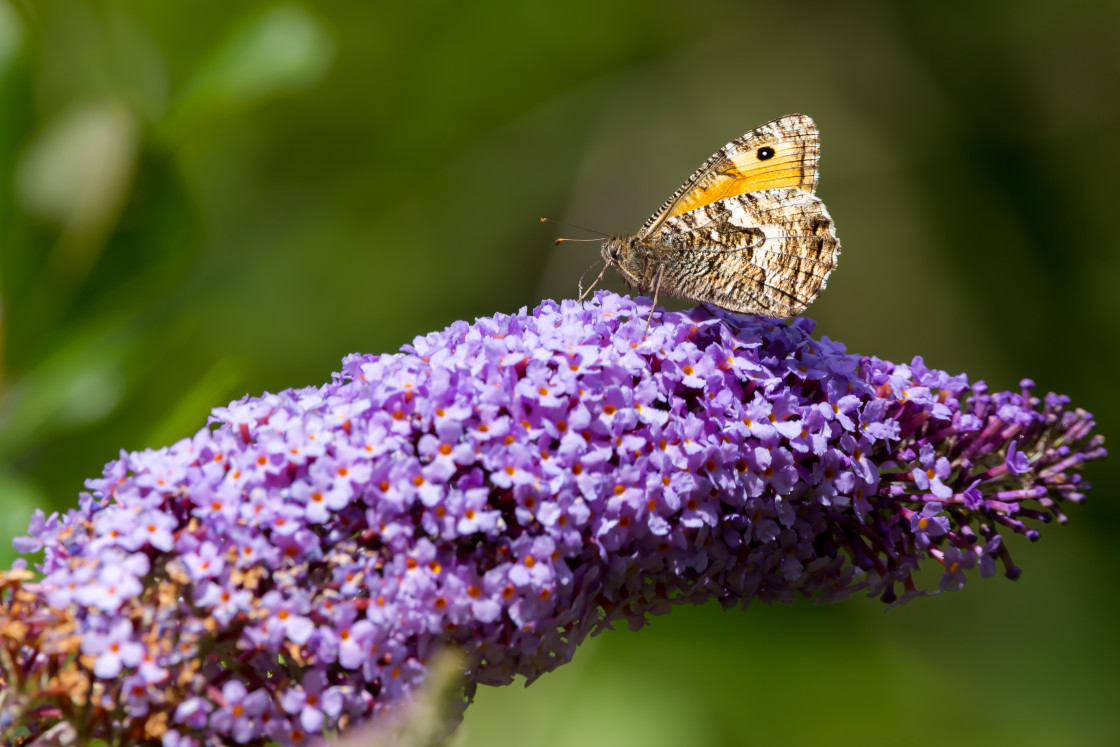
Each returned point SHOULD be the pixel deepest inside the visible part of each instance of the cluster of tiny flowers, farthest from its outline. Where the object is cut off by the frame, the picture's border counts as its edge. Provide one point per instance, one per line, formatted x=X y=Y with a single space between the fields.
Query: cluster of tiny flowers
x=507 y=488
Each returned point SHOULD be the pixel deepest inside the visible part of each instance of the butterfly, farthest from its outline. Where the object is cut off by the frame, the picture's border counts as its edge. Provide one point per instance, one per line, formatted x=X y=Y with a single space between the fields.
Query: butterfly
x=745 y=233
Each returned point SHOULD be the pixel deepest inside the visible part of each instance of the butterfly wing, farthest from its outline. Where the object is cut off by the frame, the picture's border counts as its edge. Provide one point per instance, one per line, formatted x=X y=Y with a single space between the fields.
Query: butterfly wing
x=782 y=153
x=766 y=252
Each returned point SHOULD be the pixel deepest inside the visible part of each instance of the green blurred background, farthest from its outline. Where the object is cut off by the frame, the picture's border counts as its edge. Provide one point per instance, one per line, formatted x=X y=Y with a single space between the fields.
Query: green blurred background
x=202 y=199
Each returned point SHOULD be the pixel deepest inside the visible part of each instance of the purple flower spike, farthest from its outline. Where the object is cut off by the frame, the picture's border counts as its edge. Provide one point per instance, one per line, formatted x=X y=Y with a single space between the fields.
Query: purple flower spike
x=507 y=488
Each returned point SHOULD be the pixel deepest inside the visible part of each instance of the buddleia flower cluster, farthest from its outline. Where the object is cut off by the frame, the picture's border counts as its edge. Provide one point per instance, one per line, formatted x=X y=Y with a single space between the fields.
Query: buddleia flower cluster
x=504 y=489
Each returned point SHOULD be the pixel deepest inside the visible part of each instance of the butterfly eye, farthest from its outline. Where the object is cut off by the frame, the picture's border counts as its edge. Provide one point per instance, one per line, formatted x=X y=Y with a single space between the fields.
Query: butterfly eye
x=765 y=153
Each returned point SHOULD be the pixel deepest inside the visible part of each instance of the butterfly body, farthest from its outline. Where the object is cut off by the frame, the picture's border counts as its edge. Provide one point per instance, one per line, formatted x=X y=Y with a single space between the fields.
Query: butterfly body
x=744 y=233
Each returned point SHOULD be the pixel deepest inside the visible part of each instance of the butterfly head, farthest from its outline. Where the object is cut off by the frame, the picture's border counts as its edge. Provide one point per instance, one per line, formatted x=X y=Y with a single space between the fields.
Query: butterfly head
x=612 y=249
x=629 y=256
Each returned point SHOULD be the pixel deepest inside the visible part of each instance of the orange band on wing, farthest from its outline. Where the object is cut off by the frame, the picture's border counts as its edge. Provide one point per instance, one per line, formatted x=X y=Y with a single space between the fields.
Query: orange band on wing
x=746 y=172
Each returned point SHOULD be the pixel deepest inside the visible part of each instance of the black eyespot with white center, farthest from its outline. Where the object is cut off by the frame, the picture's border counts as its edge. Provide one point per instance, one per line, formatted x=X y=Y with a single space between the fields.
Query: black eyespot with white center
x=765 y=153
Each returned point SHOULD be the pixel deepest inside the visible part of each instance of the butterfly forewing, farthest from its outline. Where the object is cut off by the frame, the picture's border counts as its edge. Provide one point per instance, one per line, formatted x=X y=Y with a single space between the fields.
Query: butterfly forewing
x=781 y=153
x=766 y=252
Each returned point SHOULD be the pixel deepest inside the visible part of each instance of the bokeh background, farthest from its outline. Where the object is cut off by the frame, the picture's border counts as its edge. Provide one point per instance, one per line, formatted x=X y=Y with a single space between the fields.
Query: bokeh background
x=204 y=198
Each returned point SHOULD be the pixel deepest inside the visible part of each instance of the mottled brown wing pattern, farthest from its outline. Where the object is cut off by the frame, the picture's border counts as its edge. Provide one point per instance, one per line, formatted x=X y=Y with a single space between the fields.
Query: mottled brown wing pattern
x=781 y=153
x=765 y=252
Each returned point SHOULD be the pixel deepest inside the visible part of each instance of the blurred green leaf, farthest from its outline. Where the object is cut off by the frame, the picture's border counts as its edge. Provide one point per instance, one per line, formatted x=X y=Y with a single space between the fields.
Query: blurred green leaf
x=11 y=36
x=20 y=498
x=430 y=715
x=282 y=50
x=77 y=170
x=81 y=382
x=138 y=63
x=189 y=412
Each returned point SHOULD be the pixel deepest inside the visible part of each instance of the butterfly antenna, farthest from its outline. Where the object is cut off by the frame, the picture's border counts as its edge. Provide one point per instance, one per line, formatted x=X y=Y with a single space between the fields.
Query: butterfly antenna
x=573 y=225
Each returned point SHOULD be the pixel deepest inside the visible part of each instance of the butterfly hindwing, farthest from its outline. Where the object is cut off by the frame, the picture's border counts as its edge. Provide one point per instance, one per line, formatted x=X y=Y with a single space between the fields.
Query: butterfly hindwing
x=781 y=153
x=767 y=251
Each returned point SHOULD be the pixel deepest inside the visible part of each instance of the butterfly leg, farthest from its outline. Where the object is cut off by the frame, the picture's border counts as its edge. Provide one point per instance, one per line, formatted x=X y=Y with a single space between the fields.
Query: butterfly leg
x=592 y=286
x=652 y=306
